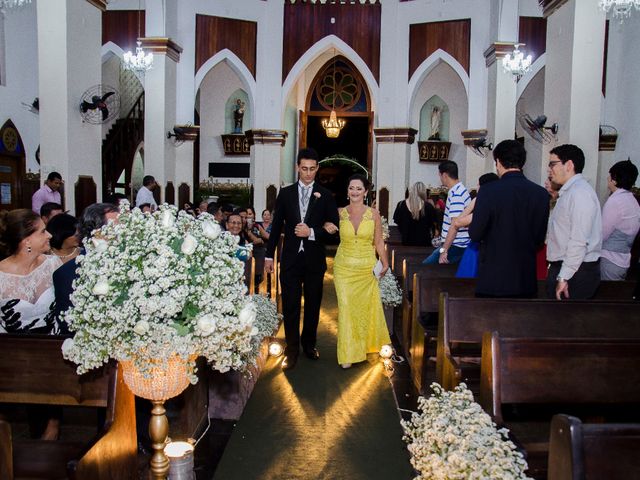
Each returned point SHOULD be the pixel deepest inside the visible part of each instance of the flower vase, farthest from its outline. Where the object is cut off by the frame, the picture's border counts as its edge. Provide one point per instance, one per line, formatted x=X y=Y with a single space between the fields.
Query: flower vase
x=164 y=379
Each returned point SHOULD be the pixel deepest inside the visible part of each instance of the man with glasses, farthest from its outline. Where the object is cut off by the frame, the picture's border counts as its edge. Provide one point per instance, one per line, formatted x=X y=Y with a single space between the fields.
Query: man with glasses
x=575 y=229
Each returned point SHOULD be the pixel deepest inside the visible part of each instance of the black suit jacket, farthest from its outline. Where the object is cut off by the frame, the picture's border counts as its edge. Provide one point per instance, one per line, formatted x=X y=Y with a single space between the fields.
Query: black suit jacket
x=510 y=222
x=322 y=208
x=63 y=279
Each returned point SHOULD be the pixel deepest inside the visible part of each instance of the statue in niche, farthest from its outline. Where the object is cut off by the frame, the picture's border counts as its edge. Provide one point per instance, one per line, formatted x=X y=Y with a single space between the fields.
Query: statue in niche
x=435 y=124
x=238 y=114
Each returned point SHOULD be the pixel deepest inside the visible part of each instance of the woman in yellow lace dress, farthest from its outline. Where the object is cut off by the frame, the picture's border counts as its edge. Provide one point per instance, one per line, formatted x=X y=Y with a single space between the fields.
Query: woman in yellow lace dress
x=361 y=324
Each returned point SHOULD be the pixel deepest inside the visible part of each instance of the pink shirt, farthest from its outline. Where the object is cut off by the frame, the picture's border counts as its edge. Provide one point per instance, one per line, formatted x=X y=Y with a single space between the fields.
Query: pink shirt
x=43 y=195
x=620 y=225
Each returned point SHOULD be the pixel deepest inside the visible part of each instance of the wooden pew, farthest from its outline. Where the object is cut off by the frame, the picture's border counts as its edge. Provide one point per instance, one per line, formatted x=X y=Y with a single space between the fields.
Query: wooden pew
x=32 y=371
x=425 y=304
x=580 y=451
x=544 y=376
x=464 y=320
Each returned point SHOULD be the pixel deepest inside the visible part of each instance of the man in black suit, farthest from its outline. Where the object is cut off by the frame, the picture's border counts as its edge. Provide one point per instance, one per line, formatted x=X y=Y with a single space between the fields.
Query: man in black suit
x=301 y=211
x=510 y=222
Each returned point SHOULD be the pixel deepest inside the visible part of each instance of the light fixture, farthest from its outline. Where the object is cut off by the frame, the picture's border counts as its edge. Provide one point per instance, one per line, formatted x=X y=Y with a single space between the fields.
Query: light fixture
x=275 y=348
x=139 y=62
x=516 y=63
x=621 y=8
x=386 y=351
x=9 y=4
x=333 y=126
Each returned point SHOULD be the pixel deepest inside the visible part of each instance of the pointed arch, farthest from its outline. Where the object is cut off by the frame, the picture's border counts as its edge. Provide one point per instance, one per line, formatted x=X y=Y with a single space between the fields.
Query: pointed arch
x=329 y=43
x=426 y=67
x=523 y=83
x=110 y=49
x=235 y=64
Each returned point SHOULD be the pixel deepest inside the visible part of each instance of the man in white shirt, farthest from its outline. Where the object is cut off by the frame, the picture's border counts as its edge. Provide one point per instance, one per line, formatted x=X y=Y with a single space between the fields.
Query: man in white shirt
x=574 y=236
x=145 y=194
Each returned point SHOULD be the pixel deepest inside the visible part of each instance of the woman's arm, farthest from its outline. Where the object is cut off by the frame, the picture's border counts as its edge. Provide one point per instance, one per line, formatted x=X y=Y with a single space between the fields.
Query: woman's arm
x=461 y=221
x=378 y=242
x=253 y=238
x=263 y=233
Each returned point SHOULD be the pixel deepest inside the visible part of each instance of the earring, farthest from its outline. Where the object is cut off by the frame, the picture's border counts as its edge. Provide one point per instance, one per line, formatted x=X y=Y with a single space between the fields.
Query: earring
x=28 y=248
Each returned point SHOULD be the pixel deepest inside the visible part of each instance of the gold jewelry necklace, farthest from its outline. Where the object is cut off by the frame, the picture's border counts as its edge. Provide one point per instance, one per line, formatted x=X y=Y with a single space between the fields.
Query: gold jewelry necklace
x=75 y=249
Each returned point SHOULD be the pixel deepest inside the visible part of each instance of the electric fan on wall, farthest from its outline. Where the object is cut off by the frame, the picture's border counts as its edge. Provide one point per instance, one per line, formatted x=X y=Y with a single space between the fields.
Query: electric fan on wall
x=537 y=128
x=481 y=146
x=99 y=104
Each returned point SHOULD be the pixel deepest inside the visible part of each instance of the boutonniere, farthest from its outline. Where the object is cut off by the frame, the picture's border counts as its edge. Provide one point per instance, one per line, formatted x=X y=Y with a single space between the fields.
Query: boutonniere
x=317 y=194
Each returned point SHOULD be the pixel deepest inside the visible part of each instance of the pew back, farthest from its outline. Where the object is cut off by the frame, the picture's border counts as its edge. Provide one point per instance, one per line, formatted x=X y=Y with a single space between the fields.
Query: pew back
x=583 y=451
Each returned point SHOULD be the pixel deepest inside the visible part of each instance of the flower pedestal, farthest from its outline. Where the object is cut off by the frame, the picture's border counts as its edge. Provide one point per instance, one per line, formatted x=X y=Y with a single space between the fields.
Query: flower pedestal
x=162 y=380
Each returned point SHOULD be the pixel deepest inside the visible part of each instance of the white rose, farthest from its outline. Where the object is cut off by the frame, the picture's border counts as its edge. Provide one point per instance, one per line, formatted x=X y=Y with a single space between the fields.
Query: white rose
x=189 y=244
x=206 y=325
x=141 y=327
x=100 y=244
x=211 y=229
x=167 y=218
x=248 y=314
x=101 y=288
x=67 y=346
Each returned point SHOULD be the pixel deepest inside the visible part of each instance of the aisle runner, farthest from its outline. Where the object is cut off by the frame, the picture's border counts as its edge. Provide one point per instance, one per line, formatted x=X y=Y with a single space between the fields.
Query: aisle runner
x=319 y=421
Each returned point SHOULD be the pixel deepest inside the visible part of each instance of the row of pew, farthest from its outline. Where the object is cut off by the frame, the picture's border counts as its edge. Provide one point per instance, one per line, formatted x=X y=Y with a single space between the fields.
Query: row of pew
x=528 y=360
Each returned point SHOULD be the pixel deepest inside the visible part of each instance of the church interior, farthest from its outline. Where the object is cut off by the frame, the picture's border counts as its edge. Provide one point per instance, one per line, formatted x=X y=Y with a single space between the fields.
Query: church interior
x=214 y=98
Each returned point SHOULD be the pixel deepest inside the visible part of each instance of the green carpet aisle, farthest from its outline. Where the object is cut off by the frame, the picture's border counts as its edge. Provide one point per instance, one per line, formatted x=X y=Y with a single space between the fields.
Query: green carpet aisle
x=319 y=421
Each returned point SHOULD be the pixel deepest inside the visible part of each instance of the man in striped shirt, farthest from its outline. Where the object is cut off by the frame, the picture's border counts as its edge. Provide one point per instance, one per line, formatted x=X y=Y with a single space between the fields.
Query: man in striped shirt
x=457 y=200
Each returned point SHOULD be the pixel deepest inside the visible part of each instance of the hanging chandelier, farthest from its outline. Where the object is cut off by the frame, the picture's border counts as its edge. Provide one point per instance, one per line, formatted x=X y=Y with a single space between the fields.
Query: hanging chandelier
x=139 y=62
x=620 y=8
x=9 y=4
x=333 y=126
x=516 y=63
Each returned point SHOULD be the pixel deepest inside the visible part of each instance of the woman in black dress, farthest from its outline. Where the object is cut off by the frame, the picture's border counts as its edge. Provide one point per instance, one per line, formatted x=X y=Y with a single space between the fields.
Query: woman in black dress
x=415 y=217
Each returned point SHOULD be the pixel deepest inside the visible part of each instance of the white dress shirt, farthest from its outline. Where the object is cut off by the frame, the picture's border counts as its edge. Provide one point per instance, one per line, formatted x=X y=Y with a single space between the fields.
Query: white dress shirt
x=146 y=196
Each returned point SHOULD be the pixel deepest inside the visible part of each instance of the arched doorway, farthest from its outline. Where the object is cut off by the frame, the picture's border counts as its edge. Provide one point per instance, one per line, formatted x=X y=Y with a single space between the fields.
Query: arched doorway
x=12 y=161
x=350 y=98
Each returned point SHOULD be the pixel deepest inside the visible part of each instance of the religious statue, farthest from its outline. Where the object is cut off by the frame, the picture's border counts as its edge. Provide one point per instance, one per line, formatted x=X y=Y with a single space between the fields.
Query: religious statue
x=435 y=124
x=238 y=114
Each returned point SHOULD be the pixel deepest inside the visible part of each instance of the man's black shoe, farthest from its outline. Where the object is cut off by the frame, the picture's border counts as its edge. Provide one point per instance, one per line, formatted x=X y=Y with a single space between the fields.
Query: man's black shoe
x=289 y=362
x=312 y=353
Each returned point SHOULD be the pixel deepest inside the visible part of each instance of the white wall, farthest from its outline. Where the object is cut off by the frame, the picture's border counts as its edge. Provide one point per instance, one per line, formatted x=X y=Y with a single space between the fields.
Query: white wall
x=444 y=82
x=216 y=88
x=532 y=102
x=21 y=55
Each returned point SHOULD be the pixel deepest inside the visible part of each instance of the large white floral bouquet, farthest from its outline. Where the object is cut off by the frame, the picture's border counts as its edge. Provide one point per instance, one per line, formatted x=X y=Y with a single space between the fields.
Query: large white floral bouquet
x=266 y=321
x=153 y=286
x=390 y=291
x=453 y=438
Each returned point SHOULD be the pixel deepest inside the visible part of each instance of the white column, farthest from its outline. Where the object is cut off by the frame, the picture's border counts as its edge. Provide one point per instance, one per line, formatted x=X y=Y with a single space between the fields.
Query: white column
x=266 y=150
x=69 y=41
x=393 y=147
x=573 y=79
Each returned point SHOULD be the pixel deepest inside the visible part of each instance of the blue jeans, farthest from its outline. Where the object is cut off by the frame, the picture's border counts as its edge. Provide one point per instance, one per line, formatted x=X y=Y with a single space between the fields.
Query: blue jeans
x=453 y=255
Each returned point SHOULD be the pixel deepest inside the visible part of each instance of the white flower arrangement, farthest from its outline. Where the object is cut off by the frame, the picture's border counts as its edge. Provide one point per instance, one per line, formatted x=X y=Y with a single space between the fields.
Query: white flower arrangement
x=385 y=228
x=266 y=321
x=153 y=286
x=453 y=438
x=390 y=291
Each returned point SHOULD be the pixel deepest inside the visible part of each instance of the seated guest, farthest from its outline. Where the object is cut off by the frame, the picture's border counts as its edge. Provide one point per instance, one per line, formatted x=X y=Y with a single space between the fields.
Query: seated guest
x=234 y=226
x=93 y=217
x=202 y=207
x=50 y=210
x=620 y=222
x=26 y=286
x=64 y=237
x=253 y=235
x=117 y=198
x=264 y=227
x=145 y=207
x=415 y=217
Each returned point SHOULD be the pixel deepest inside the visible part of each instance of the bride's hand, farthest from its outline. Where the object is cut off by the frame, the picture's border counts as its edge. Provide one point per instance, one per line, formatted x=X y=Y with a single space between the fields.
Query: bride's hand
x=385 y=267
x=330 y=227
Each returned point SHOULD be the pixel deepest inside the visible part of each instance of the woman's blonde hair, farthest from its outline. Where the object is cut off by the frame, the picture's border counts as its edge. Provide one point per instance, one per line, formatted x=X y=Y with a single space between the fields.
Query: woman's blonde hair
x=417 y=197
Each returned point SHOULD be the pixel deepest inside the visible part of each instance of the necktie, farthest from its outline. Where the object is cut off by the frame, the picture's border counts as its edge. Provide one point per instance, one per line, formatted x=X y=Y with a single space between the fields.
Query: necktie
x=305 y=200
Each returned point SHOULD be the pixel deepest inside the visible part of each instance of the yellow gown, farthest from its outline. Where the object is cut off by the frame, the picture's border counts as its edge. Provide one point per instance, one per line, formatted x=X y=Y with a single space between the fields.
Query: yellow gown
x=361 y=324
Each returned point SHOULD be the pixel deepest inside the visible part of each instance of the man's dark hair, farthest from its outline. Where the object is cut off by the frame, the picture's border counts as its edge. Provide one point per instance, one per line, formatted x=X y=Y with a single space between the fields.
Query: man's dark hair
x=212 y=208
x=54 y=176
x=358 y=176
x=488 y=178
x=116 y=197
x=227 y=208
x=94 y=217
x=307 y=153
x=624 y=174
x=61 y=227
x=142 y=206
x=47 y=208
x=511 y=154
x=148 y=180
x=568 y=152
x=450 y=168
x=239 y=210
